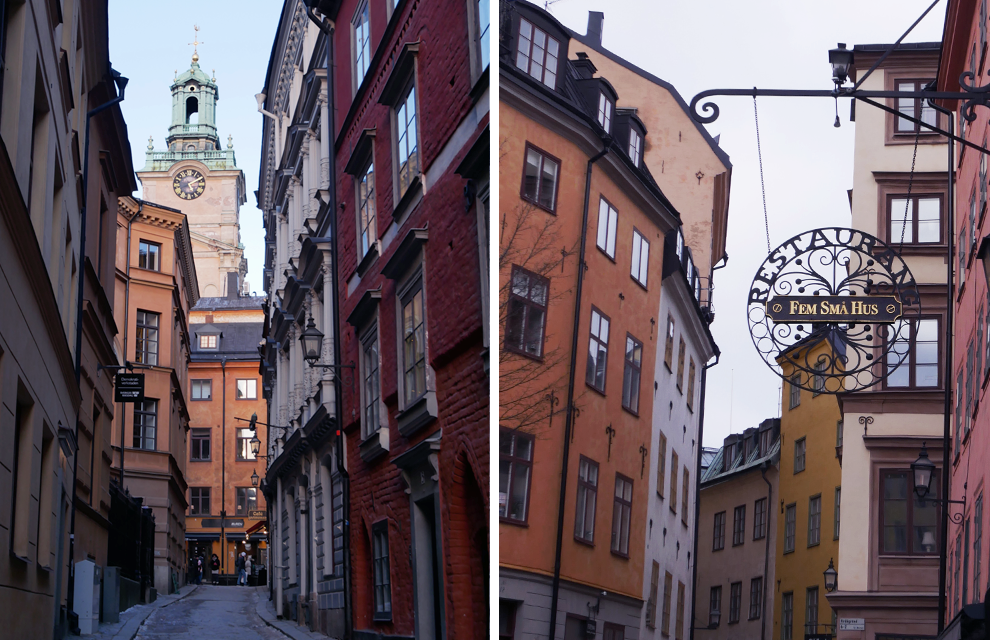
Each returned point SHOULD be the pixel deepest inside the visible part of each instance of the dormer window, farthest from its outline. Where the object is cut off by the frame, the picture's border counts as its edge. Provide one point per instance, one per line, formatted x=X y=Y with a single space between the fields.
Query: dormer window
x=635 y=145
x=537 y=53
x=605 y=112
x=208 y=342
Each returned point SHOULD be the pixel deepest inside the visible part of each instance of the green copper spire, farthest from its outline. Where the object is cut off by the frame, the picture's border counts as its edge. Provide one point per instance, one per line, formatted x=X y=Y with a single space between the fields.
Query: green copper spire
x=192 y=135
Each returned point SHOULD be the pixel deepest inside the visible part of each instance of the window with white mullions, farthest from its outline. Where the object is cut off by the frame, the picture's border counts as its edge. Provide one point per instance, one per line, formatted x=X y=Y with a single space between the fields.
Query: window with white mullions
x=540 y=179
x=908 y=525
x=515 y=464
x=605 y=112
x=917 y=343
x=608 y=218
x=811 y=611
x=145 y=424
x=639 y=268
x=414 y=344
x=587 y=494
x=913 y=108
x=149 y=255
x=635 y=146
x=146 y=346
x=407 y=151
x=715 y=606
x=362 y=44
x=790 y=525
x=366 y=210
x=526 y=313
x=631 y=374
x=372 y=393
x=247 y=500
x=381 y=570
x=537 y=53
x=597 y=350
x=621 y=514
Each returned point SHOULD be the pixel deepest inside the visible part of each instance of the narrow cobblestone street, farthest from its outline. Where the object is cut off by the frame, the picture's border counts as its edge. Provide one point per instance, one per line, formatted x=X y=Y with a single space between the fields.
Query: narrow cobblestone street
x=216 y=613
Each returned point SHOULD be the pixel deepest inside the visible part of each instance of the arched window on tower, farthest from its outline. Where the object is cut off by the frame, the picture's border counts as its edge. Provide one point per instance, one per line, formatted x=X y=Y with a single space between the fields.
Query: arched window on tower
x=192 y=110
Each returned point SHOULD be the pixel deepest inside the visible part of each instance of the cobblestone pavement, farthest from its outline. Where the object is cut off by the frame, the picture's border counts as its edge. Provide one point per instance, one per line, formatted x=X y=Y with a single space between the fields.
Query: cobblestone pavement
x=210 y=613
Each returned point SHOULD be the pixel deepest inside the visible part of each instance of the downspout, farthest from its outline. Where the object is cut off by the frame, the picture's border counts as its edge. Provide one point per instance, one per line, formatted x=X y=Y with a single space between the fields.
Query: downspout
x=947 y=376
x=697 y=490
x=223 y=470
x=568 y=422
x=327 y=27
x=766 y=561
x=80 y=292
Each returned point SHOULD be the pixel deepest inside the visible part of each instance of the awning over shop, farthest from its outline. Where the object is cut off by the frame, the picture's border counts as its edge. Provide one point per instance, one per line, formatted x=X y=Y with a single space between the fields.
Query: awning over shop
x=198 y=536
x=239 y=537
x=256 y=527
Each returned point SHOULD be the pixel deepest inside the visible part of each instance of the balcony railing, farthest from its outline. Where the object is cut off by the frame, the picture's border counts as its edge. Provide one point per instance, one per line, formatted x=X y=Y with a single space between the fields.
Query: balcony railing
x=162 y=160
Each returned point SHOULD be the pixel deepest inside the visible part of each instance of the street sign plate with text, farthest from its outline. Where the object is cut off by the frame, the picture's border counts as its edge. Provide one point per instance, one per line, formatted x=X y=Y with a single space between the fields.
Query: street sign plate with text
x=128 y=387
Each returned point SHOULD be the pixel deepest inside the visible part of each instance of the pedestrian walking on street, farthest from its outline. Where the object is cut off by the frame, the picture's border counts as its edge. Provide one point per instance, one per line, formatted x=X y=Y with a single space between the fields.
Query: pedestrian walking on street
x=199 y=569
x=241 y=573
x=247 y=569
x=215 y=569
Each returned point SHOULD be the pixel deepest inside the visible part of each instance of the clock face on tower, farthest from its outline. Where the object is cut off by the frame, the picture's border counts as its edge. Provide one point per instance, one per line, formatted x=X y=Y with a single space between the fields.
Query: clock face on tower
x=189 y=184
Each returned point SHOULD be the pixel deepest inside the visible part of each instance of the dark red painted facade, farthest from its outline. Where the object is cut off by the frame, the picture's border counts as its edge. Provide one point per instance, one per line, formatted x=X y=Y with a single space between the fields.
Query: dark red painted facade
x=452 y=121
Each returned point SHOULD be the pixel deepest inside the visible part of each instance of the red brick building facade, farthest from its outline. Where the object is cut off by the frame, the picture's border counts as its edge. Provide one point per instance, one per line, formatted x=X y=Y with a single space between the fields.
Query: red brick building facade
x=412 y=185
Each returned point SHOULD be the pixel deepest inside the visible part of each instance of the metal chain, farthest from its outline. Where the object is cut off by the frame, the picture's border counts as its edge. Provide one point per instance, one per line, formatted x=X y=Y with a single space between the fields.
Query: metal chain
x=907 y=205
x=763 y=188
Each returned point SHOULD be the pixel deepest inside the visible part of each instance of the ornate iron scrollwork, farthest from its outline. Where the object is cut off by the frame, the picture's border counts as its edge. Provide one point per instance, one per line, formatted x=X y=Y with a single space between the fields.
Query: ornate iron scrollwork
x=832 y=266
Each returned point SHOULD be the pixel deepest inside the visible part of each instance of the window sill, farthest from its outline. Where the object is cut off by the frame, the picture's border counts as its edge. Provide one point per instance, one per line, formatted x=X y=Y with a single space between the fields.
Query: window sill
x=369 y=259
x=810 y=546
x=719 y=549
x=640 y=284
x=618 y=554
x=375 y=445
x=787 y=552
x=520 y=352
x=630 y=411
x=551 y=211
x=584 y=542
x=517 y=523
x=605 y=253
x=595 y=389
x=23 y=559
x=201 y=460
x=405 y=202
x=419 y=414
x=382 y=617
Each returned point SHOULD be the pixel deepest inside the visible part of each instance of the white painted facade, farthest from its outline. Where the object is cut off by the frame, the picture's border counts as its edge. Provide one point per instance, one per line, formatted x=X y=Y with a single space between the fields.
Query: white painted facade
x=669 y=539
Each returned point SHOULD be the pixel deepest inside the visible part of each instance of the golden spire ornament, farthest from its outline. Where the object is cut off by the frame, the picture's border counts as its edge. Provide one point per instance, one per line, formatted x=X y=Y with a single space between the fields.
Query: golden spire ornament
x=195 y=44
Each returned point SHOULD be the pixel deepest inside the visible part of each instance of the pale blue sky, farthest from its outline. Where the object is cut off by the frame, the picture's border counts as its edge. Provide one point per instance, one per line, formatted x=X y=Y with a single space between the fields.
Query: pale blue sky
x=148 y=43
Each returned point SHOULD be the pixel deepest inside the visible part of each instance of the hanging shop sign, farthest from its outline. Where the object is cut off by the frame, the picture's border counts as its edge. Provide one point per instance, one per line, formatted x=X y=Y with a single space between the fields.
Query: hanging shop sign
x=128 y=387
x=830 y=310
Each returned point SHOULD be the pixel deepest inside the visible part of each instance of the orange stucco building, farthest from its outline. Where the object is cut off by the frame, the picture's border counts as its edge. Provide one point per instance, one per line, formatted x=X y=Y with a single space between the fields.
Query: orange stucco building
x=573 y=341
x=155 y=288
x=224 y=390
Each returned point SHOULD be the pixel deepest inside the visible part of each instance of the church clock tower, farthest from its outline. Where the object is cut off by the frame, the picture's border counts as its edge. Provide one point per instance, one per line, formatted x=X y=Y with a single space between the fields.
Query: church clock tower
x=200 y=179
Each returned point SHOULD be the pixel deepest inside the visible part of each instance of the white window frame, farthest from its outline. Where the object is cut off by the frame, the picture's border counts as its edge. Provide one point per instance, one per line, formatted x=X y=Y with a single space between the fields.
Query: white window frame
x=411 y=166
x=635 y=145
x=371 y=425
x=367 y=219
x=360 y=48
x=605 y=112
x=608 y=222
x=640 y=263
x=549 y=53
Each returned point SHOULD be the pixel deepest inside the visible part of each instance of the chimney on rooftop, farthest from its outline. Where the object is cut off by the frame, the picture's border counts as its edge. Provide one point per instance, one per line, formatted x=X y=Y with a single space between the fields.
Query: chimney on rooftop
x=595 y=20
x=585 y=67
x=233 y=288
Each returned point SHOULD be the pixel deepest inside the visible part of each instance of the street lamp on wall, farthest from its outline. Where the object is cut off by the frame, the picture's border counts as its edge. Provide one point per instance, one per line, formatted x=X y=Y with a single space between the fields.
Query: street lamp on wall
x=922 y=471
x=312 y=342
x=254 y=478
x=255 y=446
x=831 y=577
x=841 y=60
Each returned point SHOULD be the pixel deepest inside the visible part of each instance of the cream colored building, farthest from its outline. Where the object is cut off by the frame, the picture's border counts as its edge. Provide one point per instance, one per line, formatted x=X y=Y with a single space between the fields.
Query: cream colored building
x=888 y=577
x=201 y=179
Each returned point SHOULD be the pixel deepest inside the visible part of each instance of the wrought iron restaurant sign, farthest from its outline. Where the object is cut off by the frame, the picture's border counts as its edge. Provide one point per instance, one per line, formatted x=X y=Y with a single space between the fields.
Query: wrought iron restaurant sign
x=829 y=310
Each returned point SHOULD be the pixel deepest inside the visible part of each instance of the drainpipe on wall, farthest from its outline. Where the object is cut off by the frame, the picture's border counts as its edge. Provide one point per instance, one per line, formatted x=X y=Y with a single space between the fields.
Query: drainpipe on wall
x=766 y=561
x=947 y=377
x=697 y=489
x=327 y=27
x=569 y=421
x=223 y=470
x=127 y=302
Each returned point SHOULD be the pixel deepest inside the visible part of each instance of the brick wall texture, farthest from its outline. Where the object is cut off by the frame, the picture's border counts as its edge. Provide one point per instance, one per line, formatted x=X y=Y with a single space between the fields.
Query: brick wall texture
x=452 y=273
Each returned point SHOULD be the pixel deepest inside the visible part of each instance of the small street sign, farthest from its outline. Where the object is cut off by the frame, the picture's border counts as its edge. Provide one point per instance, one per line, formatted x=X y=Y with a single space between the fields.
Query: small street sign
x=260 y=513
x=128 y=387
x=852 y=624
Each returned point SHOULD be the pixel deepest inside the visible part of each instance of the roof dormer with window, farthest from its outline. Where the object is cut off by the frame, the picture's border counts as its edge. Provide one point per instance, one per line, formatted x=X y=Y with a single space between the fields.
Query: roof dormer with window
x=630 y=132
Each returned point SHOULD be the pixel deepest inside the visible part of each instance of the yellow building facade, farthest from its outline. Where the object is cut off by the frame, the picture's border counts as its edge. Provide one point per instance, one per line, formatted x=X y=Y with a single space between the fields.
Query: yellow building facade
x=809 y=500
